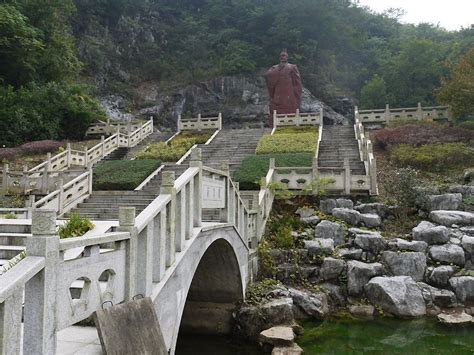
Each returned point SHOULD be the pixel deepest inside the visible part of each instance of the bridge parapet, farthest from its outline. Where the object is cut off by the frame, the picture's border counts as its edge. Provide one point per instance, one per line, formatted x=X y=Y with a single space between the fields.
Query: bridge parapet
x=435 y=113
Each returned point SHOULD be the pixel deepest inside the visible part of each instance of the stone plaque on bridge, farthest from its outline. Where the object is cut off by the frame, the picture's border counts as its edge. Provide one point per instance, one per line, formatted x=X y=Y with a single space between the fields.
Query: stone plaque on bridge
x=130 y=328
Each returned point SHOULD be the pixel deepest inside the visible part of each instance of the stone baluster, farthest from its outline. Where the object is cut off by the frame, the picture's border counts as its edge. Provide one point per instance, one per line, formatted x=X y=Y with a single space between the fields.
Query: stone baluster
x=220 y=121
x=61 y=197
x=86 y=158
x=196 y=200
x=127 y=224
x=347 y=176
x=40 y=292
x=5 y=179
x=167 y=188
x=25 y=180
x=68 y=155
x=48 y=159
x=387 y=115
x=419 y=111
x=10 y=323
x=102 y=146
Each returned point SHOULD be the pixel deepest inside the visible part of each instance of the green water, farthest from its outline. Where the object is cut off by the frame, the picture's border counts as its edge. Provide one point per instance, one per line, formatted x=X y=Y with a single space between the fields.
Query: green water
x=386 y=336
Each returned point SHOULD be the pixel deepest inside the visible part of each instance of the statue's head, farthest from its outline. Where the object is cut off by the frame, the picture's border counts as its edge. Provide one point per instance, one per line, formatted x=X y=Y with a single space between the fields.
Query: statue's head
x=284 y=56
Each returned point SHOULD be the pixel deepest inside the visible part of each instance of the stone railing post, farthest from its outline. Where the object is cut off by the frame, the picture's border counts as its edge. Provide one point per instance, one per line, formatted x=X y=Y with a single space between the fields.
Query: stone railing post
x=48 y=158
x=102 y=146
x=297 y=117
x=69 y=155
x=227 y=214
x=61 y=196
x=40 y=292
x=387 y=115
x=275 y=123
x=127 y=224
x=220 y=121
x=419 y=111
x=5 y=179
x=86 y=158
x=347 y=176
x=167 y=188
x=45 y=180
x=24 y=178
x=196 y=205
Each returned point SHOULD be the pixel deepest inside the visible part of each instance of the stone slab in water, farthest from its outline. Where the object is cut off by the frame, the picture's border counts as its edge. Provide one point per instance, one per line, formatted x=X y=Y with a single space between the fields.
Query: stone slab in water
x=455 y=319
x=130 y=328
x=277 y=336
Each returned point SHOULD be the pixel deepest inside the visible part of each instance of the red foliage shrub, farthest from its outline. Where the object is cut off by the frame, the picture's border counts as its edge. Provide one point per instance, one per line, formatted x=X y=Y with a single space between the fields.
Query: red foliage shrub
x=9 y=154
x=417 y=135
x=41 y=147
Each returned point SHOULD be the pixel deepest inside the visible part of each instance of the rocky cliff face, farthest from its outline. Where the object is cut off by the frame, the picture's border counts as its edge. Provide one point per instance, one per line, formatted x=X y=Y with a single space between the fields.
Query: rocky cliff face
x=243 y=101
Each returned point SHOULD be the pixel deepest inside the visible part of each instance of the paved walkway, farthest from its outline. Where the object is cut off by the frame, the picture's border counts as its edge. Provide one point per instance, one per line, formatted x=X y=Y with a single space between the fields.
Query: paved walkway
x=78 y=340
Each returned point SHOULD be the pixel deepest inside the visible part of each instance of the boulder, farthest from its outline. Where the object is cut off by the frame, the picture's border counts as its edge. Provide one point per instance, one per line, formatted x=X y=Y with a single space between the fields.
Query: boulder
x=430 y=233
x=305 y=212
x=443 y=202
x=319 y=246
x=469 y=175
x=331 y=268
x=439 y=276
x=448 y=218
x=326 y=206
x=437 y=297
x=362 y=311
x=405 y=264
x=331 y=230
x=398 y=295
x=370 y=220
x=252 y=320
x=374 y=208
x=294 y=349
x=277 y=336
x=467 y=230
x=311 y=220
x=448 y=254
x=349 y=253
x=347 y=215
x=463 y=287
x=468 y=244
x=337 y=295
x=369 y=241
x=455 y=318
x=344 y=203
x=405 y=245
x=313 y=305
x=359 y=273
x=464 y=190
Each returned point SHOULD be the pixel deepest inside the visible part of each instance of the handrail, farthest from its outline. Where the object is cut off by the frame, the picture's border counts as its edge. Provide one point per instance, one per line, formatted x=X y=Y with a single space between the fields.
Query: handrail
x=85 y=241
x=19 y=275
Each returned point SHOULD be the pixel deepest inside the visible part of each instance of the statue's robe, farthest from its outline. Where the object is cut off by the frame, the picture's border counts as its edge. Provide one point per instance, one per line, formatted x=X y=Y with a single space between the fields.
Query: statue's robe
x=284 y=86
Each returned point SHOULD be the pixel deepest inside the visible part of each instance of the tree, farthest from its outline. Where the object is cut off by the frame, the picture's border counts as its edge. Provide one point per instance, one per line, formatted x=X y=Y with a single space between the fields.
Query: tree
x=458 y=90
x=374 y=93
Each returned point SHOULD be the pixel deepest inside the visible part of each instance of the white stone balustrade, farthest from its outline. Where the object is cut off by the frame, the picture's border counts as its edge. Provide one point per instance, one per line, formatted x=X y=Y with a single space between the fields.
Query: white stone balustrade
x=108 y=128
x=298 y=118
x=411 y=113
x=200 y=123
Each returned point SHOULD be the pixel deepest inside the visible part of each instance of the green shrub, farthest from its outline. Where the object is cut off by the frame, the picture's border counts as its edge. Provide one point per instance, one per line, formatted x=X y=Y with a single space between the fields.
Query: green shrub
x=401 y=187
x=122 y=174
x=76 y=226
x=294 y=129
x=9 y=216
x=283 y=238
x=467 y=125
x=288 y=142
x=255 y=167
x=433 y=157
x=178 y=146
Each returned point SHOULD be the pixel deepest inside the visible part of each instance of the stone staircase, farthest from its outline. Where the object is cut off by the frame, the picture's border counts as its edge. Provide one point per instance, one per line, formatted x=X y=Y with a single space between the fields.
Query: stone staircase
x=233 y=145
x=337 y=143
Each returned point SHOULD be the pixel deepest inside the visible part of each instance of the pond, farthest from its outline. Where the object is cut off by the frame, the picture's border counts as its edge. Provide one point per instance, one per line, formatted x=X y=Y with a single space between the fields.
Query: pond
x=386 y=336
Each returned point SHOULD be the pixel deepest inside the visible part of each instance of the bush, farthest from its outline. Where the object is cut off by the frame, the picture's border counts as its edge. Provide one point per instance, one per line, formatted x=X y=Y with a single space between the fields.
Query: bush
x=401 y=187
x=122 y=174
x=178 y=146
x=9 y=154
x=417 y=135
x=433 y=157
x=76 y=226
x=255 y=167
x=41 y=147
x=287 y=143
x=467 y=125
x=294 y=129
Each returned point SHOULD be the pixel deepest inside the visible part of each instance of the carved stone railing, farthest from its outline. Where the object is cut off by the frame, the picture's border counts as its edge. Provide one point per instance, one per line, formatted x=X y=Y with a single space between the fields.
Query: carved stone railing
x=108 y=128
x=88 y=157
x=199 y=123
x=366 y=155
x=41 y=182
x=68 y=195
x=412 y=113
x=298 y=118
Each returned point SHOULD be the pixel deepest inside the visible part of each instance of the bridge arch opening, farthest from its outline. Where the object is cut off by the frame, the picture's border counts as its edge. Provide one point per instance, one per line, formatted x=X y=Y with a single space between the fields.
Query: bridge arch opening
x=215 y=290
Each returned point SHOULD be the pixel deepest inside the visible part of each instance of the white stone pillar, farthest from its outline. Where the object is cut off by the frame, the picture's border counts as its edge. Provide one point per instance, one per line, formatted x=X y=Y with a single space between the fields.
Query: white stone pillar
x=40 y=292
x=167 y=188
x=196 y=162
x=347 y=177
x=127 y=224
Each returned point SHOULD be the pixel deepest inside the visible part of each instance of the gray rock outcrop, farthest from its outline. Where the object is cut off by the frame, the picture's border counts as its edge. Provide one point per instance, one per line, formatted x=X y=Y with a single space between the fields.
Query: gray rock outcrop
x=405 y=245
x=405 y=264
x=448 y=218
x=448 y=254
x=331 y=230
x=443 y=202
x=398 y=295
x=430 y=233
x=359 y=273
x=319 y=246
x=349 y=216
x=439 y=276
x=463 y=287
x=437 y=297
x=370 y=220
x=331 y=268
x=369 y=241
x=311 y=304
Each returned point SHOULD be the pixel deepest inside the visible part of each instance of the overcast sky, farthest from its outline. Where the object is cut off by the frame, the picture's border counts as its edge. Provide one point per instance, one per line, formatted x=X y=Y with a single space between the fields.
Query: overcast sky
x=450 y=14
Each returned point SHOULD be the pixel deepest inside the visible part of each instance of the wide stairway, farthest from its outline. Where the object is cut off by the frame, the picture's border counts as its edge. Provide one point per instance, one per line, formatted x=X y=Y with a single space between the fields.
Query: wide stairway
x=232 y=145
x=338 y=143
